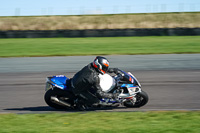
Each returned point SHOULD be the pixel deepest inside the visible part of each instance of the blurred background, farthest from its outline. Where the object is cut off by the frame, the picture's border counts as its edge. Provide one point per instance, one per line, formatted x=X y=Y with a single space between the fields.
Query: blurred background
x=88 y=14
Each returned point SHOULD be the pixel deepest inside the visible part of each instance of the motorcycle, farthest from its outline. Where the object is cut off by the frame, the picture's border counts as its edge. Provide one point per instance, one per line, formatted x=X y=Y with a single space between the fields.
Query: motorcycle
x=59 y=95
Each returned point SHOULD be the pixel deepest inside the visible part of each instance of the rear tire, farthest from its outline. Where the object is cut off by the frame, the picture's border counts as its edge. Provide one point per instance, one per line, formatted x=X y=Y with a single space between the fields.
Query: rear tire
x=57 y=93
x=142 y=99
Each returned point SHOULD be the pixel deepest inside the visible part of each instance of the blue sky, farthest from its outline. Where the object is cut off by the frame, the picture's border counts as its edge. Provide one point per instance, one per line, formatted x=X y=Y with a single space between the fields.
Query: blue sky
x=77 y=7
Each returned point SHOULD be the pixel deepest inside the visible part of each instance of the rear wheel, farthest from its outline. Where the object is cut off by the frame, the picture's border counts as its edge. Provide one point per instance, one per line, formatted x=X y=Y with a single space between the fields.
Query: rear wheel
x=60 y=94
x=141 y=99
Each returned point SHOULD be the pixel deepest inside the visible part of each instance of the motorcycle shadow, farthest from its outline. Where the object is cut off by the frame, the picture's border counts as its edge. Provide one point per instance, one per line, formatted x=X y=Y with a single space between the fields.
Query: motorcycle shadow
x=33 y=109
x=49 y=109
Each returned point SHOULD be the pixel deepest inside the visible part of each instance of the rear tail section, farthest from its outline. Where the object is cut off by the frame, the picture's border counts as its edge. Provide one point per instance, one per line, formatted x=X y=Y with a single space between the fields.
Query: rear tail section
x=58 y=81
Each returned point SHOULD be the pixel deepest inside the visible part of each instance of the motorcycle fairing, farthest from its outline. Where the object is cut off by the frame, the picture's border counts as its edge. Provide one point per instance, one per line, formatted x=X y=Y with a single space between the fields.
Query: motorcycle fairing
x=58 y=81
x=108 y=101
x=128 y=77
x=130 y=91
x=128 y=85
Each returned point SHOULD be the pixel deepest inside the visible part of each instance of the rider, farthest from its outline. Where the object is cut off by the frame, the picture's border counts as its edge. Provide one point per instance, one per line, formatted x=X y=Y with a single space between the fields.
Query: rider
x=88 y=78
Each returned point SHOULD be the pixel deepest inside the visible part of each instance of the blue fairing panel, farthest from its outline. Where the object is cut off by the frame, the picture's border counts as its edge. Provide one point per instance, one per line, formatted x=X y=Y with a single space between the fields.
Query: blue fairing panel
x=128 y=85
x=60 y=81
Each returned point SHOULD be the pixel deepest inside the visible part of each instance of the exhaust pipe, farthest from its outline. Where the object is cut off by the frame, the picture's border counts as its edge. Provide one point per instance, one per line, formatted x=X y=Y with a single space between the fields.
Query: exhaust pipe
x=58 y=101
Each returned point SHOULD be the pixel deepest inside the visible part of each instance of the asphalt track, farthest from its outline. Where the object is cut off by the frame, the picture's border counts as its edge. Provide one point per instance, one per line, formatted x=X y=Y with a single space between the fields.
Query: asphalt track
x=171 y=81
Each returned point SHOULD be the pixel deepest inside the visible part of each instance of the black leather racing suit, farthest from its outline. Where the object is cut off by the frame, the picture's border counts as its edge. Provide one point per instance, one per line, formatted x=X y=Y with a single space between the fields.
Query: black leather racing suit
x=86 y=79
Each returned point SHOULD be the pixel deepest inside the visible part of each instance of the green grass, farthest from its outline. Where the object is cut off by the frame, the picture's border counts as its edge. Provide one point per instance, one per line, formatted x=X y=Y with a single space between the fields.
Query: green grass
x=99 y=46
x=102 y=122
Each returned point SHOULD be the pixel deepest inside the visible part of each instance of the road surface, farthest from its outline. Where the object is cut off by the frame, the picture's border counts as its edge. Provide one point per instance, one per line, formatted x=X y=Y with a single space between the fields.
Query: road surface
x=171 y=81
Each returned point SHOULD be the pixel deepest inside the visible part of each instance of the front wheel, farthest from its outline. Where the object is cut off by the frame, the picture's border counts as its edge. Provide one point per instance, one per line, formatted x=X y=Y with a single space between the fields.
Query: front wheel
x=141 y=99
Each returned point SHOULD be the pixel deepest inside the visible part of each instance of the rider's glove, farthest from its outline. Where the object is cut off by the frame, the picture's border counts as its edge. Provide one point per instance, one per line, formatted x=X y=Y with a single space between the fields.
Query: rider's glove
x=115 y=70
x=115 y=96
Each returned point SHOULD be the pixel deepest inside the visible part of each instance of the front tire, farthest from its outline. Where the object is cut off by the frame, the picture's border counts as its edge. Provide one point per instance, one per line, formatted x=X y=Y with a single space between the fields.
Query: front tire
x=56 y=93
x=141 y=99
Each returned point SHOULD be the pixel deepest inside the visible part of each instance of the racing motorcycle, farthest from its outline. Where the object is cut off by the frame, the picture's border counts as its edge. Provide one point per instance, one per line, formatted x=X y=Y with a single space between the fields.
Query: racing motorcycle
x=59 y=95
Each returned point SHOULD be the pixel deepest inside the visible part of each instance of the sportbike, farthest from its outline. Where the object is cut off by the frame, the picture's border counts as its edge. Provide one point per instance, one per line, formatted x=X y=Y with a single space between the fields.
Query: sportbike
x=59 y=95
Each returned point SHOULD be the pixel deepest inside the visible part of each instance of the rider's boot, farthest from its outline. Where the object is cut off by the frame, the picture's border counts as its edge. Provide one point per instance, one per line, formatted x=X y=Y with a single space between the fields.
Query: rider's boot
x=80 y=105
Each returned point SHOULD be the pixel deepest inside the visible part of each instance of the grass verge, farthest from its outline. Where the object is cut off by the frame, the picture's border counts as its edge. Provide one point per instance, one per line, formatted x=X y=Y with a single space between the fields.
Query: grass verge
x=103 y=122
x=99 y=46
